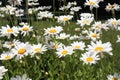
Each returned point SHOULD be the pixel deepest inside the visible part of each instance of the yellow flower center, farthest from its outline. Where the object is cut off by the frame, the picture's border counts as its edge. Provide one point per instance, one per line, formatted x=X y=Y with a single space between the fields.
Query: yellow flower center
x=86 y=21
x=89 y=59
x=114 y=22
x=97 y=26
x=91 y=3
x=114 y=78
x=37 y=49
x=10 y=30
x=111 y=6
x=21 y=51
x=77 y=47
x=94 y=35
x=99 y=48
x=64 y=52
x=25 y=29
x=53 y=31
x=55 y=46
x=65 y=19
x=7 y=57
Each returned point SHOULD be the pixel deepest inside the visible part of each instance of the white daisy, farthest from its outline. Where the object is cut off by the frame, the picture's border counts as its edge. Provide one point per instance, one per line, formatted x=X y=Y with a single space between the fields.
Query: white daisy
x=92 y=3
x=8 y=31
x=115 y=76
x=111 y=7
x=21 y=49
x=75 y=9
x=118 y=38
x=2 y=71
x=38 y=48
x=15 y=2
x=93 y=35
x=6 y=56
x=113 y=23
x=98 y=26
x=54 y=45
x=62 y=36
x=90 y=58
x=44 y=14
x=87 y=15
x=64 y=18
x=85 y=21
x=65 y=50
x=99 y=47
x=53 y=30
x=23 y=77
x=78 y=45
x=25 y=29
x=10 y=44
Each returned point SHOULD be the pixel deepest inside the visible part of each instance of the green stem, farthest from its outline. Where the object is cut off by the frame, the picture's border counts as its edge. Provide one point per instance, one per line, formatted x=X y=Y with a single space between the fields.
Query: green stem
x=113 y=13
x=96 y=13
x=54 y=6
x=27 y=10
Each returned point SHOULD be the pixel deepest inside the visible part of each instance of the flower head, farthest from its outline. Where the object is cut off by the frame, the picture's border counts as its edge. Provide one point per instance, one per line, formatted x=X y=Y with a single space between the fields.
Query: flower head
x=115 y=76
x=2 y=71
x=65 y=50
x=92 y=3
x=53 y=30
x=99 y=47
x=6 y=56
x=111 y=7
x=89 y=58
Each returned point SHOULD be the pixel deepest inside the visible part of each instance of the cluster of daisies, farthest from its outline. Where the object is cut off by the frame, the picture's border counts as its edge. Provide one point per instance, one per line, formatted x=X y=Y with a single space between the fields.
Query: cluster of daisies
x=89 y=29
x=24 y=29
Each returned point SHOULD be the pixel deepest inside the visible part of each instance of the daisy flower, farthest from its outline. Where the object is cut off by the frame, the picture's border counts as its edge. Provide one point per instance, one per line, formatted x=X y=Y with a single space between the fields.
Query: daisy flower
x=15 y=2
x=23 y=77
x=38 y=48
x=62 y=36
x=44 y=14
x=114 y=23
x=99 y=47
x=21 y=49
x=10 y=44
x=87 y=15
x=25 y=29
x=2 y=71
x=8 y=31
x=65 y=50
x=116 y=76
x=111 y=7
x=64 y=18
x=85 y=21
x=78 y=45
x=92 y=3
x=118 y=38
x=6 y=56
x=98 y=26
x=72 y=3
x=93 y=35
x=54 y=45
x=74 y=37
x=89 y=58
x=53 y=30
x=75 y=9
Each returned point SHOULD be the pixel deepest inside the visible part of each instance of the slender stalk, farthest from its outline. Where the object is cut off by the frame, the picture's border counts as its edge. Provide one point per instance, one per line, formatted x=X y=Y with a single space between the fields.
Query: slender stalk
x=113 y=13
x=54 y=6
x=96 y=14
x=27 y=10
x=11 y=22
